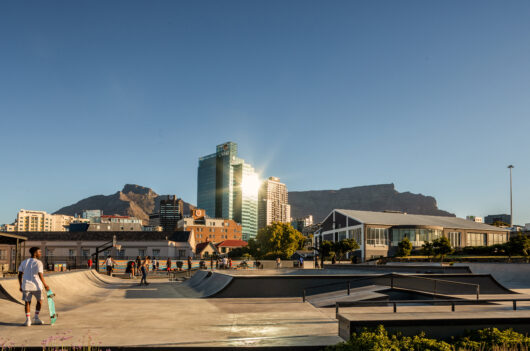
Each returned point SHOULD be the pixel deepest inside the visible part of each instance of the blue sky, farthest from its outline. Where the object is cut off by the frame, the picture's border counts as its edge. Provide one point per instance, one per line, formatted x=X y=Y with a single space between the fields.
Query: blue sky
x=430 y=95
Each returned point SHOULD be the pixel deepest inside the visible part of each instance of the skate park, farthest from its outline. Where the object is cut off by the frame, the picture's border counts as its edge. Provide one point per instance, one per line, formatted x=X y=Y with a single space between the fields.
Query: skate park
x=292 y=308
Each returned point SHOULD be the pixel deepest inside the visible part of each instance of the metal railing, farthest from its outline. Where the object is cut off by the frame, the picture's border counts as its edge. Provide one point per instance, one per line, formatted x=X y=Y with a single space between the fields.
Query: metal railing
x=401 y=281
x=449 y=302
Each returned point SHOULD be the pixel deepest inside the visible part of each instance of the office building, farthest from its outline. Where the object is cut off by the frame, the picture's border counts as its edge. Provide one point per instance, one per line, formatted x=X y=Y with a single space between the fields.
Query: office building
x=273 y=204
x=227 y=187
x=302 y=222
x=170 y=212
x=205 y=228
x=379 y=233
x=498 y=220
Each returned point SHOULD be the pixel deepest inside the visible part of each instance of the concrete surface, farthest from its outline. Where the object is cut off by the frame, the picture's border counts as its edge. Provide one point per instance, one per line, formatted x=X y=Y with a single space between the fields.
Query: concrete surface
x=97 y=309
x=511 y=275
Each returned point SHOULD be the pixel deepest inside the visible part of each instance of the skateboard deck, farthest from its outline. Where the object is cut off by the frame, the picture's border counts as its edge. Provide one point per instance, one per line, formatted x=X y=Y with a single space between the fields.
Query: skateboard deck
x=51 y=306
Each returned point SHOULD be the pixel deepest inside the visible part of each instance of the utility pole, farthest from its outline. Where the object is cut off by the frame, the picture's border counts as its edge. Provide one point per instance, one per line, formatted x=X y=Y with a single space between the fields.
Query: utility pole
x=511 y=202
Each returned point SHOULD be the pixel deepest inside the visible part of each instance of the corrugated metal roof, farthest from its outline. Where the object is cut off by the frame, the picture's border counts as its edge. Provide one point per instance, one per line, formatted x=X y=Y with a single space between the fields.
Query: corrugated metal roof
x=390 y=218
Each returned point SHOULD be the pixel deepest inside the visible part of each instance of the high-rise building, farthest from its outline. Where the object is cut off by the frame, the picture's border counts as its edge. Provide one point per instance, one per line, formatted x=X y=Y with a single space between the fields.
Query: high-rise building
x=170 y=212
x=302 y=222
x=273 y=203
x=227 y=187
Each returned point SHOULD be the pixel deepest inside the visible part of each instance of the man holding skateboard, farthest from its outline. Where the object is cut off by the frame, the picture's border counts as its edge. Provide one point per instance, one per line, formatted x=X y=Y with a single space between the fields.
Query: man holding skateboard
x=31 y=281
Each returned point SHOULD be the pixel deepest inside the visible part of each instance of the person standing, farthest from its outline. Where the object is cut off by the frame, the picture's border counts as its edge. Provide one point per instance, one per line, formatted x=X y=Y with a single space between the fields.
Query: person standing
x=301 y=262
x=154 y=264
x=278 y=263
x=89 y=263
x=31 y=282
x=109 y=262
x=168 y=265
x=230 y=263
x=189 y=263
x=144 y=268
x=138 y=265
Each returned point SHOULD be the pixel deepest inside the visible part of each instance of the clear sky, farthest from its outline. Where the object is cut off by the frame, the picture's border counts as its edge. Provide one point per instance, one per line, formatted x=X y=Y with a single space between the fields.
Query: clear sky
x=433 y=96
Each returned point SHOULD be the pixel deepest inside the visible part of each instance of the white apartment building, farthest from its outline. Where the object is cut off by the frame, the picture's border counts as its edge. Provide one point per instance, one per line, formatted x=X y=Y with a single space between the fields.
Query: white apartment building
x=41 y=221
x=273 y=205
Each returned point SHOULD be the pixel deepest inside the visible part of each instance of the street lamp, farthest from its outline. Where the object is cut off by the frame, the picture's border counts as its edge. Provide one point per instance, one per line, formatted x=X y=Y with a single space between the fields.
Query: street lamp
x=511 y=203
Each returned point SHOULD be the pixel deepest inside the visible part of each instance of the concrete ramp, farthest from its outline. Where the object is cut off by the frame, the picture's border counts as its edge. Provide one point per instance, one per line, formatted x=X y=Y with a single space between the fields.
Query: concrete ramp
x=511 y=275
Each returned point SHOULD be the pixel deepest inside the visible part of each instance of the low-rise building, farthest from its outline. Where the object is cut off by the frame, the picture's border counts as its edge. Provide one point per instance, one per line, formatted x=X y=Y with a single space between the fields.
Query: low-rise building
x=28 y=221
x=226 y=246
x=8 y=228
x=475 y=219
x=205 y=228
x=76 y=247
x=379 y=233
x=107 y=223
x=205 y=250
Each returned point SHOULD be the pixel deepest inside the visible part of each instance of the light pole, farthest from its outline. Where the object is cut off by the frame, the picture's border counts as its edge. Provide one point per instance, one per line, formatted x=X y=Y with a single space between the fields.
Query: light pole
x=511 y=202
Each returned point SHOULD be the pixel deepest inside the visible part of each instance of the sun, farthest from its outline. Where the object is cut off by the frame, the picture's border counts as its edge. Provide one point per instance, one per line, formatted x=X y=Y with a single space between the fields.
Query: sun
x=250 y=185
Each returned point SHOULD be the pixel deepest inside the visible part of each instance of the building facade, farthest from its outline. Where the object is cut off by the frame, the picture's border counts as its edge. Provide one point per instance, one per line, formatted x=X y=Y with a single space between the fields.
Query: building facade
x=475 y=219
x=273 y=204
x=379 y=233
x=227 y=187
x=42 y=221
x=500 y=219
x=206 y=229
x=106 y=223
x=302 y=222
x=170 y=212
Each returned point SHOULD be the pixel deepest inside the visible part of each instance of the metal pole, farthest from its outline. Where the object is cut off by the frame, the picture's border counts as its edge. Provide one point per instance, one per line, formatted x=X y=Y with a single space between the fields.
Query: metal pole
x=303 y=296
x=514 y=305
x=395 y=308
x=348 y=288
x=511 y=202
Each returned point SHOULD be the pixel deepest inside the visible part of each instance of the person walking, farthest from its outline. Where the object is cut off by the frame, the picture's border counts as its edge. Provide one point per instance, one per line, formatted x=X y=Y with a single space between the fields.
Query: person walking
x=189 y=263
x=278 y=263
x=109 y=262
x=154 y=264
x=168 y=265
x=301 y=262
x=89 y=263
x=144 y=269
x=31 y=282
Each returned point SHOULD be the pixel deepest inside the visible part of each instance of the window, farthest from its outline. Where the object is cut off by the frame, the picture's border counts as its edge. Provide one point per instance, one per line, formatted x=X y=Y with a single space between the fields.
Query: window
x=3 y=254
x=377 y=236
x=182 y=253
x=121 y=253
x=85 y=252
x=156 y=252
x=356 y=234
x=416 y=235
x=494 y=239
x=476 y=239
x=141 y=252
x=342 y=235
x=455 y=238
x=71 y=253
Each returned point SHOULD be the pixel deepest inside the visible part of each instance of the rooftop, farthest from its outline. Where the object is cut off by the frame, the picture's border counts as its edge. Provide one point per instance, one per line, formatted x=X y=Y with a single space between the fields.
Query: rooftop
x=177 y=236
x=232 y=243
x=392 y=218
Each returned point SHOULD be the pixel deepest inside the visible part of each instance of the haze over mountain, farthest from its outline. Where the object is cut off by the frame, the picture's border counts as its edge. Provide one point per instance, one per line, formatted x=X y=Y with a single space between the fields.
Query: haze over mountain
x=133 y=200
x=380 y=197
x=138 y=201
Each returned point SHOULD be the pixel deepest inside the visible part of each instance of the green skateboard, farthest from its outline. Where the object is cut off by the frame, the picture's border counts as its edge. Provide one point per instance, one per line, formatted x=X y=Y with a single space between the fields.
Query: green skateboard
x=51 y=306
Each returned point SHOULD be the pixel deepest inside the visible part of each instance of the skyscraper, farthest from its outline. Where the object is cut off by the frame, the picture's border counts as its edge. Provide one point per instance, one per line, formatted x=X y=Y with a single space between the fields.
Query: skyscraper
x=273 y=203
x=170 y=212
x=227 y=187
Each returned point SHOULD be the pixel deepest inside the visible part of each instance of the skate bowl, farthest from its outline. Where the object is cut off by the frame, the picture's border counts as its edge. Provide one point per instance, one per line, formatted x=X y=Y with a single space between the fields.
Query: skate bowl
x=220 y=285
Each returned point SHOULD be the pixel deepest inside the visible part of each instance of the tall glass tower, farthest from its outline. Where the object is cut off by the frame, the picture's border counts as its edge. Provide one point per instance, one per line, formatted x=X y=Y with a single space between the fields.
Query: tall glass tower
x=227 y=187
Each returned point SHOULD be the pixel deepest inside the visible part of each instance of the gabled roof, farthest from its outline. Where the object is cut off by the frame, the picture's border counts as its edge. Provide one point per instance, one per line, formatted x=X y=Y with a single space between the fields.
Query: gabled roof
x=402 y=219
x=199 y=248
x=232 y=243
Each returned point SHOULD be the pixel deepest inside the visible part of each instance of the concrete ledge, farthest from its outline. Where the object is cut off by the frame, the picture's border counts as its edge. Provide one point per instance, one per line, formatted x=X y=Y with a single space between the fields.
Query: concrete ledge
x=442 y=325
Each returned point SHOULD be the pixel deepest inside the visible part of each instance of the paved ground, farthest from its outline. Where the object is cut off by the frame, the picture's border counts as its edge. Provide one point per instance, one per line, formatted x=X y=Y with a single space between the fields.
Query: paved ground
x=117 y=313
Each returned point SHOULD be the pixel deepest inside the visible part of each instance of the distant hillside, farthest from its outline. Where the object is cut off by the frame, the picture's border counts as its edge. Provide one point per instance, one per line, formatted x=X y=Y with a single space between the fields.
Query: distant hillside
x=132 y=200
x=381 y=197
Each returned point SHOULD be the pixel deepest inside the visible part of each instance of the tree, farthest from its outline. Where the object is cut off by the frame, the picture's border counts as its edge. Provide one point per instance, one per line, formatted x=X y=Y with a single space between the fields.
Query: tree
x=427 y=249
x=341 y=248
x=404 y=247
x=518 y=245
x=324 y=250
x=442 y=247
x=279 y=239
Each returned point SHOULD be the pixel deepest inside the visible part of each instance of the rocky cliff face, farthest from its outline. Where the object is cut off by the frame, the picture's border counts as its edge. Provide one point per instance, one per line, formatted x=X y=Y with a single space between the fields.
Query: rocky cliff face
x=381 y=197
x=132 y=200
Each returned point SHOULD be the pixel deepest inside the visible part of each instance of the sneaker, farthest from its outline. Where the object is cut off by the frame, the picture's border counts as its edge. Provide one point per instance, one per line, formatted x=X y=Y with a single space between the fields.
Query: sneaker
x=27 y=323
x=37 y=321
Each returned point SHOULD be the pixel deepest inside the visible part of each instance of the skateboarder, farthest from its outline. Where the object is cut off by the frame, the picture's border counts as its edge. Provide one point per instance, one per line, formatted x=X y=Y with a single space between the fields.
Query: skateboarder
x=31 y=281
x=109 y=262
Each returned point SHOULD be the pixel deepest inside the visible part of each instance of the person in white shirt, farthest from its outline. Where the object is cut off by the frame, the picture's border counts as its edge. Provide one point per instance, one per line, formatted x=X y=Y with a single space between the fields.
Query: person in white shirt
x=31 y=281
x=109 y=262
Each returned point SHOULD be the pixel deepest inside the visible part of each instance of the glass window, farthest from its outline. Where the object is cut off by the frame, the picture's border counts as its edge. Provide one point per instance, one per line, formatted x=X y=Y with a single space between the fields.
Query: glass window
x=455 y=238
x=356 y=234
x=377 y=236
x=476 y=239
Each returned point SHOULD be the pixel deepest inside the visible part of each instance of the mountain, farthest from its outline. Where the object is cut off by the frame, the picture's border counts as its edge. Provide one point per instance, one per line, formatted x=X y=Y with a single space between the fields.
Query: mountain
x=132 y=200
x=380 y=197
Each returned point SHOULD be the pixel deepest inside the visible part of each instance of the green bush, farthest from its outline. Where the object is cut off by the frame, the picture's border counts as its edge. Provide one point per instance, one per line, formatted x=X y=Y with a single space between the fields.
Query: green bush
x=378 y=339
